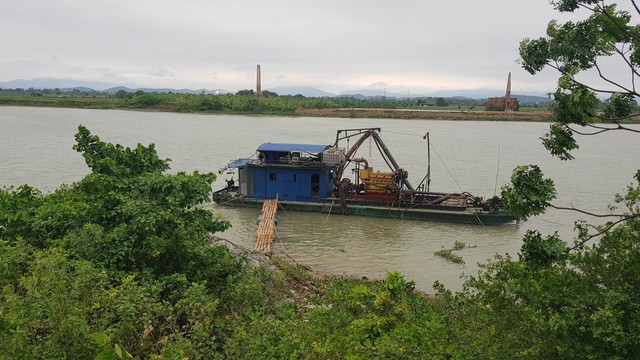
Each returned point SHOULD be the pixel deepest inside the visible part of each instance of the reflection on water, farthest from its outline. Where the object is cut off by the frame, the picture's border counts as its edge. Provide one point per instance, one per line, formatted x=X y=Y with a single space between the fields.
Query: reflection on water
x=35 y=148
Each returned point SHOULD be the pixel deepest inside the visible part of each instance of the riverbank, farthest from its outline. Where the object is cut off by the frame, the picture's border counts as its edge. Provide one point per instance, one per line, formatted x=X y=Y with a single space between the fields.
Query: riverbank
x=275 y=106
x=427 y=114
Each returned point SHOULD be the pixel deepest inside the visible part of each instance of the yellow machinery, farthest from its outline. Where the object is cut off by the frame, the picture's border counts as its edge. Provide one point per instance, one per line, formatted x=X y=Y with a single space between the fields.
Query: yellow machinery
x=377 y=182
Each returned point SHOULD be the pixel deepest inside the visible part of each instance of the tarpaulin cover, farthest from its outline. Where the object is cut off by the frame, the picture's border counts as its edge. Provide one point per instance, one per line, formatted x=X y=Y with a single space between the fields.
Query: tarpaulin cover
x=281 y=147
x=239 y=163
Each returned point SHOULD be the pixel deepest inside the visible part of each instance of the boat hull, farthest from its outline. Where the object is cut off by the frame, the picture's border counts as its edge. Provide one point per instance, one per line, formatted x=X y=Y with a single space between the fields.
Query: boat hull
x=386 y=210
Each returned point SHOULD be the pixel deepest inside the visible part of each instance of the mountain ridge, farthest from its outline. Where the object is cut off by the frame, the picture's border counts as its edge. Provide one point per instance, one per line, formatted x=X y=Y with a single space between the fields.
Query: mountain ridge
x=307 y=91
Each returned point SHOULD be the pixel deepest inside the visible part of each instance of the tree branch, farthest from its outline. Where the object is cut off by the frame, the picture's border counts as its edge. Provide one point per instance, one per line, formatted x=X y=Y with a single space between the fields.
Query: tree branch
x=600 y=9
x=633 y=70
x=609 y=227
x=635 y=6
x=573 y=208
x=601 y=129
x=606 y=79
x=617 y=122
x=623 y=217
x=557 y=67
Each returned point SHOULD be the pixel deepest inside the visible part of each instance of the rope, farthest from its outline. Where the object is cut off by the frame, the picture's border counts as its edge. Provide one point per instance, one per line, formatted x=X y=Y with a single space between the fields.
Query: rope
x=371 y=223
x=551 y=222
x=282 y=207
x=328 y=214
x=285 y=251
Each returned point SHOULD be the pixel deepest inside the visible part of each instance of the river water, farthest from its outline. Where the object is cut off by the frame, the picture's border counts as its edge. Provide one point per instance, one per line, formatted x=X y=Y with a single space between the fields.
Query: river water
x=473 y=156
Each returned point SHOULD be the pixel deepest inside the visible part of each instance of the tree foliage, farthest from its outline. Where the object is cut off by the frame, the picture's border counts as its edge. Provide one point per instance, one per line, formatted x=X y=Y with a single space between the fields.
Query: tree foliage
x=103 y=257
x=126 y=215
x=581 y=49
x=116 y=160
x=556 y=300
x=529 y=193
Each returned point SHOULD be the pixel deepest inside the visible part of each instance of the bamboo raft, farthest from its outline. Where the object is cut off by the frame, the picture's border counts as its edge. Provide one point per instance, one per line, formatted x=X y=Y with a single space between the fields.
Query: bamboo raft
x=267 y=227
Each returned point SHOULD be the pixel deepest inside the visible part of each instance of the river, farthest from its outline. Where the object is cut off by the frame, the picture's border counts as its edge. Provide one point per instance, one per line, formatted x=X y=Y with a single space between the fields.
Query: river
x=473 y=156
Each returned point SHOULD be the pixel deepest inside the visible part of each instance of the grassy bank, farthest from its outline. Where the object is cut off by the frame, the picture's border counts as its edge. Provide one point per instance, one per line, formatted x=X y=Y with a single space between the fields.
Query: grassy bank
x=282 y=105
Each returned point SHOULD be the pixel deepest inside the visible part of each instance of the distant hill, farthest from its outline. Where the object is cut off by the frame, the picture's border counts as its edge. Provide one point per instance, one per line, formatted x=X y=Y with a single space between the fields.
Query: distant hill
x=482 y=93
x=353 y=96
x=166 y=90
x=52 y=83
x=532 y=99
x=307 y=91
x=302 y=90
x=88 y=86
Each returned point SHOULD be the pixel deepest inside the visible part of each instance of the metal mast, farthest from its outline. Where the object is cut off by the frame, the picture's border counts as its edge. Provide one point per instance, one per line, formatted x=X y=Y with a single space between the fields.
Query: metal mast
x=507 y=98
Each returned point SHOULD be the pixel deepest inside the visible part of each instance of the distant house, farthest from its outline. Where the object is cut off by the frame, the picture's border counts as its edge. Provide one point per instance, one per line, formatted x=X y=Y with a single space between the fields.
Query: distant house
x=500 y=104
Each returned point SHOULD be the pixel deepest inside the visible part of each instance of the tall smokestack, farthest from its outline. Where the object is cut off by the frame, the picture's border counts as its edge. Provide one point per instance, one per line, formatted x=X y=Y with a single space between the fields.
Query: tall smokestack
x=507 y=98
x=259 y=84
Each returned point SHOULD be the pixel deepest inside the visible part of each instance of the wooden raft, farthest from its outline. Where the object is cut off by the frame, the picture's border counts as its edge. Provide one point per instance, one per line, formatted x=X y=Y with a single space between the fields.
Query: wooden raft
x=267 y=227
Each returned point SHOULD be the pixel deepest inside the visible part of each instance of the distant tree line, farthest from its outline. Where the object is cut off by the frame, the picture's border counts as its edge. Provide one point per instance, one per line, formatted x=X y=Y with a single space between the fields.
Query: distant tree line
x=243 y=101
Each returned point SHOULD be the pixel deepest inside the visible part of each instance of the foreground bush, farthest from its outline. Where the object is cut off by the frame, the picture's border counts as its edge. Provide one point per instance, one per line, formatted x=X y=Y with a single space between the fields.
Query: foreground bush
x=120 y=266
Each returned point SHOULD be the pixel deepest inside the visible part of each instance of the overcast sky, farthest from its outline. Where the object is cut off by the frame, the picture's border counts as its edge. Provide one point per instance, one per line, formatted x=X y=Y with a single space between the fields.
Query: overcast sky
x=400 y=46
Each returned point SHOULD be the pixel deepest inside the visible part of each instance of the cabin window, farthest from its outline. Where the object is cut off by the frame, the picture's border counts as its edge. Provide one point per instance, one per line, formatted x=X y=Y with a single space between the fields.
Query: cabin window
x=315 y=184
x=272 y=176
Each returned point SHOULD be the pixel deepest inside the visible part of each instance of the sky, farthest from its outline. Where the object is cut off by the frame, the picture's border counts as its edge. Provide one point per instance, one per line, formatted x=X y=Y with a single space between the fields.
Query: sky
x=400 y=46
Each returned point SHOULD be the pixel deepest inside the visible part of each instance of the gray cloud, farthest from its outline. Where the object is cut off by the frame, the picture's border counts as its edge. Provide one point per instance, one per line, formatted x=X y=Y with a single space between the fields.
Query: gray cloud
x=333 y=45
x=159 y=70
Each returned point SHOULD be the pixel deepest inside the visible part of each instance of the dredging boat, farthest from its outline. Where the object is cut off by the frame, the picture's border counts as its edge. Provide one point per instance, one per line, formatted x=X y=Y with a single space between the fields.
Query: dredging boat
x=309 y=177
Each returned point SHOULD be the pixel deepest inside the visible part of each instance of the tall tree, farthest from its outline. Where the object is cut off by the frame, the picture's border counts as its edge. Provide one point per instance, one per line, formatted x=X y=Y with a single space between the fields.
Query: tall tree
x=604 y=46
x=580 y=300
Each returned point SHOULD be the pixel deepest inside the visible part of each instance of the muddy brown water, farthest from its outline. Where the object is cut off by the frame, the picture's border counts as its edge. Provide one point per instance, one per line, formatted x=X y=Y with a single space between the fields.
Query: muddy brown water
x=35 y=148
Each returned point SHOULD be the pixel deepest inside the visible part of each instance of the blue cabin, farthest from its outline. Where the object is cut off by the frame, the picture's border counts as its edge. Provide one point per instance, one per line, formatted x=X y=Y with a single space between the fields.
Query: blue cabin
x=290 y=172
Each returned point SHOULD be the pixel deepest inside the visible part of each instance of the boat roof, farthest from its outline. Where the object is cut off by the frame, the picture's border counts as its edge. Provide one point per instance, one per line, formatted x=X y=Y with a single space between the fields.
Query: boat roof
x=308 y=148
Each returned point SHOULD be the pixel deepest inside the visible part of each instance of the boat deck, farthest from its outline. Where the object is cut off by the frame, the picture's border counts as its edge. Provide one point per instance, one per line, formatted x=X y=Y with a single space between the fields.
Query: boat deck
x=424 y=212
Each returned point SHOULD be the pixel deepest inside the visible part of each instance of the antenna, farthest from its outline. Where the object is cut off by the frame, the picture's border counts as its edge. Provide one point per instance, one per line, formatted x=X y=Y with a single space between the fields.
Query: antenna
x=428 y=161
x=495 y=190
x=427 y=177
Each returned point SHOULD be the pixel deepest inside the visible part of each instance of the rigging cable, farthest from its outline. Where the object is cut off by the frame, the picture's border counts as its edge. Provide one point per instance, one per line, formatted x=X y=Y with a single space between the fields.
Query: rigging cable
x=445 y=166
x=401 y=133
x=384 y=157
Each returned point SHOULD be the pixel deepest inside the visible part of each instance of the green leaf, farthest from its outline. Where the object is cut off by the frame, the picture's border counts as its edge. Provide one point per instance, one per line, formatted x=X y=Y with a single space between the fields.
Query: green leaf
x=101 y=339
x=108 y=354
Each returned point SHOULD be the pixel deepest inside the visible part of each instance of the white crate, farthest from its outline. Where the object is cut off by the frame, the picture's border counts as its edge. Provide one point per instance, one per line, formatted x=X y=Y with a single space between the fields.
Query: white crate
x=333 y=156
